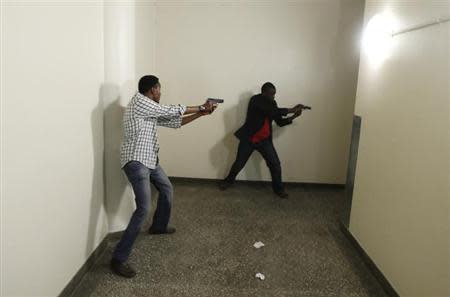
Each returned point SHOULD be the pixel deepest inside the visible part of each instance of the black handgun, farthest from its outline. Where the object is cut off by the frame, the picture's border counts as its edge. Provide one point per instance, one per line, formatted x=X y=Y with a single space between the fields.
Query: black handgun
x=305 y=106
x=215 y=100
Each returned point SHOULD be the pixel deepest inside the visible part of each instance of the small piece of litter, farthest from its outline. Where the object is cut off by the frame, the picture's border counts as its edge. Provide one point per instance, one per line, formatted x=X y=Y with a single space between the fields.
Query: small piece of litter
x=258 y=244
x=260 y=276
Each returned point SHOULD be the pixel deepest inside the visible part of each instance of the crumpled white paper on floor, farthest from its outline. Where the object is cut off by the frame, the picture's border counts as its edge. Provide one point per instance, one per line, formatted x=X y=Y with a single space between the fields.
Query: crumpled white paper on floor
x=260 y=276
x=258 y=244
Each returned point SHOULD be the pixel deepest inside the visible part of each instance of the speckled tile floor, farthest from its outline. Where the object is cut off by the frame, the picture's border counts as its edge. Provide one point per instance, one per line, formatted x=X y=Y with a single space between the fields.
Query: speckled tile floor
x=212 y=253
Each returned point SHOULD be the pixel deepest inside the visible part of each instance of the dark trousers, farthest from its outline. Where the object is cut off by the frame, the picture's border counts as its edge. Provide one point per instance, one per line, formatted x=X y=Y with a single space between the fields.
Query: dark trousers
x=140 y=178
x=268 y=152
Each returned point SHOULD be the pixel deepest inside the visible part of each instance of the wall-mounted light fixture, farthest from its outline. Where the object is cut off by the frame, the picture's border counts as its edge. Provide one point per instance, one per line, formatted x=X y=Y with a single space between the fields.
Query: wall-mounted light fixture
x=425 y=25
x=379 y=33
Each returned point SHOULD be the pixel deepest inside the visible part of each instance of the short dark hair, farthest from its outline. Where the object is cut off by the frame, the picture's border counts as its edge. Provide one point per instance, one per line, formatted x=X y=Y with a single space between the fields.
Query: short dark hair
x=267 y=86
x=147 y=82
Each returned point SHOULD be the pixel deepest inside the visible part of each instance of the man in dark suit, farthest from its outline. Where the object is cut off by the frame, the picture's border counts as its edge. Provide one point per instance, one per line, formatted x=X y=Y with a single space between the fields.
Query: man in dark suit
x=256 y=134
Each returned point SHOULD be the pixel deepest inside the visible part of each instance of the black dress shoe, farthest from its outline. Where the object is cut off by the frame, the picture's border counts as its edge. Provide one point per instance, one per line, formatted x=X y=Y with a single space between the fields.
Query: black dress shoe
x=282 y=194
x=223 y=185
x=122 y=269
x=168 y=230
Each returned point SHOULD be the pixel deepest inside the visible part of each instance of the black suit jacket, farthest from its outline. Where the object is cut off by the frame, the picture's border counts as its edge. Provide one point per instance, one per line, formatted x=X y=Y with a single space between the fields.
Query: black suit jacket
x=259 y=108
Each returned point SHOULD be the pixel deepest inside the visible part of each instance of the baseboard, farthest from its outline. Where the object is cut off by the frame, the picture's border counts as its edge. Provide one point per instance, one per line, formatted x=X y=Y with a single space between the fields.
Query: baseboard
x=115 y=235
x=76 y=280
x=390 y=291
x=254 y=182
x=95 y=255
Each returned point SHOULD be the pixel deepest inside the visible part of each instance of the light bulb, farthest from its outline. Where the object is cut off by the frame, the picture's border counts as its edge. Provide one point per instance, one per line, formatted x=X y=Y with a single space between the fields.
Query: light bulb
x=377 y=40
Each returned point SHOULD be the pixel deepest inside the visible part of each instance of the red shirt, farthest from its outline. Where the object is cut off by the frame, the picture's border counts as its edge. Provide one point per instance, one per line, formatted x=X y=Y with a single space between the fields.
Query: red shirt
x=263 y=133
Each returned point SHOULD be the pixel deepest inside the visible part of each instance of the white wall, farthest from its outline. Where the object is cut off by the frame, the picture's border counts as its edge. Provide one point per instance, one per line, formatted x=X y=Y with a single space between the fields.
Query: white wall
x=201 y=49
x=400 y=212
x=119 y=86
x=52 y=143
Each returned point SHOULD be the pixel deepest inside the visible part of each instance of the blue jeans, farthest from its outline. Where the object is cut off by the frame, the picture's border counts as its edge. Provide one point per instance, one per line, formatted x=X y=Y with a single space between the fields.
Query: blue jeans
x=140 y=178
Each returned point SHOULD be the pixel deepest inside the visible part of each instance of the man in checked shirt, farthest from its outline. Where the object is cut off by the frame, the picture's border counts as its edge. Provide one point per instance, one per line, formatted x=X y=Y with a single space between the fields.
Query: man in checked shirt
x=139 y=160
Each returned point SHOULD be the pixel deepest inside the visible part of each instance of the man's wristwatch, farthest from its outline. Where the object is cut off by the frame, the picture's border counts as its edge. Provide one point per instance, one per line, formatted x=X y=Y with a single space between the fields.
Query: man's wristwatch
x=201 y=108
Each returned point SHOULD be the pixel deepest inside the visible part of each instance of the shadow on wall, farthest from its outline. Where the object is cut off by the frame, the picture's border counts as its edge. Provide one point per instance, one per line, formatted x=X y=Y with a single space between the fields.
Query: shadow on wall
x=114 y=180
x=223 y=153
x=344 y=60
x=97 y=193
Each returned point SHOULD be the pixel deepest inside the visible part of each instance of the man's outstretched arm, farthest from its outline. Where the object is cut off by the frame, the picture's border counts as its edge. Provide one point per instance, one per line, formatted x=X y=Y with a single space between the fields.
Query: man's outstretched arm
x=193 y=112
x=287 y=121
x=207 y=106
x=187 y=119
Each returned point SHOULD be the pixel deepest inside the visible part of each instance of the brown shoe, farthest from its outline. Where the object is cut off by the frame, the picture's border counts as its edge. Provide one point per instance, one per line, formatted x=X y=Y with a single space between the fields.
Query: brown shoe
x=122 y=269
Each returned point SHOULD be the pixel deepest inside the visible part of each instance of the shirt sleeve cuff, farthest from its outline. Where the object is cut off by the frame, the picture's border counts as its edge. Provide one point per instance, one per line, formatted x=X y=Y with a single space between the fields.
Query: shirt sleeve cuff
x=182 y=109
x=177 y=122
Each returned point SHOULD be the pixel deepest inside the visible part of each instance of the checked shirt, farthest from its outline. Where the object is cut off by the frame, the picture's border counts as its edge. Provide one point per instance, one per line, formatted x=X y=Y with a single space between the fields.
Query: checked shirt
x=140 y=121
